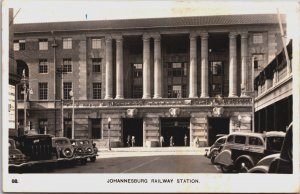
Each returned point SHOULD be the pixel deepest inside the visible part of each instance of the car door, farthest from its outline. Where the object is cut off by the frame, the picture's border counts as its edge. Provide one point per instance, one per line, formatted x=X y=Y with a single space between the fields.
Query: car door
x=255 y=145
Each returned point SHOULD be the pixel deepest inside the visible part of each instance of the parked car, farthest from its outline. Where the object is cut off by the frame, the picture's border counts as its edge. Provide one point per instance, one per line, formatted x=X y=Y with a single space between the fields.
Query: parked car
x=64 y=149
x=214 y=150
x=84 y=148
x=278 y=163
x=17 y=160
x=242 y=150
x=38 y=150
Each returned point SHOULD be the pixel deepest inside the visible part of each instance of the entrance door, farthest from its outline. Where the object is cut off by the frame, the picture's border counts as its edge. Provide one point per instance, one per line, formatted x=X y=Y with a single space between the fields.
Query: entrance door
x=178 y=128
x=133 y=127
x=217 y=126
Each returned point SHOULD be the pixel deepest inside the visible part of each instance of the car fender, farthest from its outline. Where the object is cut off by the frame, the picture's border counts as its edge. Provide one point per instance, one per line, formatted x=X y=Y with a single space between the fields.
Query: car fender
x=212 y=151
x=224 y=158
x=259 y=169
x=245 y=157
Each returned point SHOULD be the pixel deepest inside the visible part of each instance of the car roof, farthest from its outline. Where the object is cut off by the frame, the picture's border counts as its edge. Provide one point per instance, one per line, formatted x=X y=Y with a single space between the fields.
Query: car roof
x=58 y=138
x=266 y=134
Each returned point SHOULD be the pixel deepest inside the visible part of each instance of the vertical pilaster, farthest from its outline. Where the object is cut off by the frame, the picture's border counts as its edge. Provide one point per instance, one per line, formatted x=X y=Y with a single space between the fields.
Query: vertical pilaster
x=157 y=68
x=146 y=67
x=204 y=65
x=244 y=69
x=232 y=65
x=119 y=69
x=108 y=68
x=193 y=66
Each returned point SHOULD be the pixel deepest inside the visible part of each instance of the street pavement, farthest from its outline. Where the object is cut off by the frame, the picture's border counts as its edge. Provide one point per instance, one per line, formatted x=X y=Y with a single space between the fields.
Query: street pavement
x=147 y=160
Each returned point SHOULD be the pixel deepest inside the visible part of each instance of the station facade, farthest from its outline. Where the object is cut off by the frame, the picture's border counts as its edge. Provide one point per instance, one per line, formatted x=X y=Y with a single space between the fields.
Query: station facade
x=188 y=76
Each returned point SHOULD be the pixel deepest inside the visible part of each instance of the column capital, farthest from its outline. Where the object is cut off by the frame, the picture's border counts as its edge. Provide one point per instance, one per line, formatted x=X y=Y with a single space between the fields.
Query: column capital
x=244 y=35
x=156 y=37
x=118 y=37
x=204 y=35
x=108 y=38
x=146 y=37
x=193 y=35
x=233 y=34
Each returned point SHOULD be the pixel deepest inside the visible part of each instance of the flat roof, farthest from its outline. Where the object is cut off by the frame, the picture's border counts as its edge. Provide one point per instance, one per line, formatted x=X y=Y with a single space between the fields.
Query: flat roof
x=217 y=20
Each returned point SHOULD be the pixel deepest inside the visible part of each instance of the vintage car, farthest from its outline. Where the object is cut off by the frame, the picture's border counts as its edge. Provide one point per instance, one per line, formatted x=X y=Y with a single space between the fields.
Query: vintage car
x=214 y=150
x=17 y=160
x=278 y=163
x=84 y=148
x=64 y=149
x=242 y=150
x=38 y=150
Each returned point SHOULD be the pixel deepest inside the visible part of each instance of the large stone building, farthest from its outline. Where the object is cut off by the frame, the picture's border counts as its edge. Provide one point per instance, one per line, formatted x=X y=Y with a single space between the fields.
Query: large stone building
x=152 y=77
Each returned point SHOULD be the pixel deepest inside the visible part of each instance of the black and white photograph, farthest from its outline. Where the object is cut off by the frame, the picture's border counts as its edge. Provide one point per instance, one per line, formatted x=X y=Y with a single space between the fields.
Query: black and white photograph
x=150 y=96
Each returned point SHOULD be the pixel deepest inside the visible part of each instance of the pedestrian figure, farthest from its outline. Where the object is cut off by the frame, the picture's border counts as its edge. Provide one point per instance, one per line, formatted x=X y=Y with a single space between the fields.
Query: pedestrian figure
x=171 y=141
x=197 y=142
x=161 y=140
x=185 y=140
x=133 y=141
x=128 y=140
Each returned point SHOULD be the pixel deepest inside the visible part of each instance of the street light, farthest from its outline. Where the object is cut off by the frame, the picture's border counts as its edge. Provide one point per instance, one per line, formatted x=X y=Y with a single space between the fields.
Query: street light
x=26 y=91
x=73 y=113
x=109 y=120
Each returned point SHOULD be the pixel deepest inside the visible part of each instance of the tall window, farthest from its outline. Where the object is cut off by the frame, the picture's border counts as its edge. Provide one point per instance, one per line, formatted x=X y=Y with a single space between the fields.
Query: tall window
x=67 y=43
x=96 y=63
x=96 y=43
x=216 y=78
x=67 y=65
x=137 y=84
x=43 y=44
x=257 y=38
x=96 y=128
x=177 y=80
x=68 y=128
x=258 y=60
x=67 y=89
x=96 y=90
x=43 y=91
x=43 y=126
x=19 y=45
x=43 y=66
x=137 y=70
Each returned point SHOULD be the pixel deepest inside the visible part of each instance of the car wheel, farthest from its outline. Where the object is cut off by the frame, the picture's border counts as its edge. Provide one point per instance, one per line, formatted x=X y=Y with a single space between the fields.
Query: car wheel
x=243 y=166
x=226 y=169
x=213 y=156
x=93 y=159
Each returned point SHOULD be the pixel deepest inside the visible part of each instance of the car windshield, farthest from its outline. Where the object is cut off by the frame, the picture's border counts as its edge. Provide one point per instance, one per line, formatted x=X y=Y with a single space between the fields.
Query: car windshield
x=222 y=140
x=61 y=142
x=85 y=142
x=274 y=143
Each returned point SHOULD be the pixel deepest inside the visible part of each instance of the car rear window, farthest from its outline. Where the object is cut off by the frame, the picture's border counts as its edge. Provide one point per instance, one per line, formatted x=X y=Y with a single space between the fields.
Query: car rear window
x=255 y=141
x=275 y=143
x=222 y=140
x=240 y=139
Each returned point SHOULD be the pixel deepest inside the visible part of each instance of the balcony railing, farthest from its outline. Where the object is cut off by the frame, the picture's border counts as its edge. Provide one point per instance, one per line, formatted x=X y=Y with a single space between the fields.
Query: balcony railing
x=163 y=102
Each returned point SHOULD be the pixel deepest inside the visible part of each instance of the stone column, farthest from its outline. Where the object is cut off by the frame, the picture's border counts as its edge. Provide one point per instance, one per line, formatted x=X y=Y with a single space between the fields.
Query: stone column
x=193 y=66
x=146 y=67
x=232 y=65
x=244 y=57
x=204 y=65
x=119 y=69
x=157 y=68
x=108 y=69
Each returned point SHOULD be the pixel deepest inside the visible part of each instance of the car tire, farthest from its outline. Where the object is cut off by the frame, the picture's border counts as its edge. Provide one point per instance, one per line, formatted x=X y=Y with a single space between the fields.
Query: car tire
x=93 y=159
x=247 y=163
x=226 y=169
x=213 y=156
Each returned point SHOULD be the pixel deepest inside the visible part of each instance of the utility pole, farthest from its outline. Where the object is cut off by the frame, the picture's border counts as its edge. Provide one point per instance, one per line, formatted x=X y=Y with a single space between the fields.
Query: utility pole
x=54 y=45
x=61 y=72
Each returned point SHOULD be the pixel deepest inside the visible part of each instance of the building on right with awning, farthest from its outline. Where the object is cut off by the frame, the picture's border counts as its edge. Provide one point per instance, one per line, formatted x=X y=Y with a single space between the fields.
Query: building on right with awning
x=274 y=93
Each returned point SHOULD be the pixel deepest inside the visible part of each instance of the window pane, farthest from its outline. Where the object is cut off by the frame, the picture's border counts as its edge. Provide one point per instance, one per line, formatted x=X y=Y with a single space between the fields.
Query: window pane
x=43 y=44
x=255 y=141
x=67 y=43
x=67 y=65
x=240 y=139
x=97 y=90
x=257 y=38
x=43 y=66
x=96 y=43
x=67 y=89
x=96 y=63
x=43 y=91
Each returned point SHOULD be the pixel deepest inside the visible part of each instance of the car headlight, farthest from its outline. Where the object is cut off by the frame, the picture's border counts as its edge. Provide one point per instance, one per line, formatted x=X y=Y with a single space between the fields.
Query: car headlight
x=79 y=150
x=67 y=152
x=89 y=150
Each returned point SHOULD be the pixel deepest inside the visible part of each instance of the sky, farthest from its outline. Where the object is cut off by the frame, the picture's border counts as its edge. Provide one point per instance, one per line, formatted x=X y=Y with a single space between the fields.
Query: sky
x=55 y=10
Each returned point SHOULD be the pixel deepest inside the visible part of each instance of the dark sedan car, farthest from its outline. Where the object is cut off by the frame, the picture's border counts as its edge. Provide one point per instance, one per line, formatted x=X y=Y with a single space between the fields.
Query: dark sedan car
x=64 y=149
x=84 y=148
x=17 y=160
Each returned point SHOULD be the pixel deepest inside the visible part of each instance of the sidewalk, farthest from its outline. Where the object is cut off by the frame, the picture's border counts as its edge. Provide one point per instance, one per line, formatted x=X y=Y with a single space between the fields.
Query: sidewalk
x=155 y=149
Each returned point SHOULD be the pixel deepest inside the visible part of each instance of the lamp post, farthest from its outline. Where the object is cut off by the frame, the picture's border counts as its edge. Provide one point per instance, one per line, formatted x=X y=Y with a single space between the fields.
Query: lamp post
x=73 y=113
x=26 y=91
x=109 y=120
x=60 y=71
